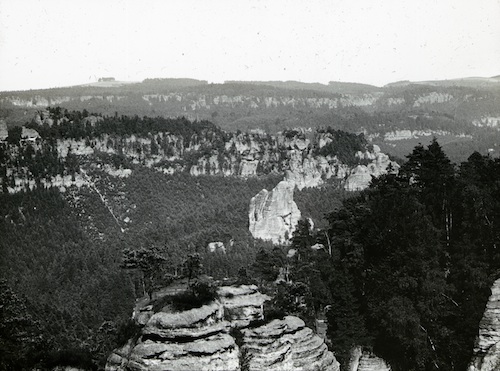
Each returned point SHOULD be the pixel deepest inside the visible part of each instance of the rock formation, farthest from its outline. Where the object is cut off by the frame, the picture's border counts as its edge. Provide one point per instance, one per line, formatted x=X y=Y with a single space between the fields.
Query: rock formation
x=202 y=339
x=363 y=360
x=274 y=214
x=487 y=347
x=283 y=345
x=216 y=247
x=361 y=176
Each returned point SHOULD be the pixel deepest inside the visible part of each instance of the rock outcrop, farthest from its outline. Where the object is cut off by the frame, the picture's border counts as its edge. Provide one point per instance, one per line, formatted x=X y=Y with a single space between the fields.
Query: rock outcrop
x=487 y=347
x=283 y=345
x=363 y=360
x=202 y=339
x=361 y=176
x=273 y=215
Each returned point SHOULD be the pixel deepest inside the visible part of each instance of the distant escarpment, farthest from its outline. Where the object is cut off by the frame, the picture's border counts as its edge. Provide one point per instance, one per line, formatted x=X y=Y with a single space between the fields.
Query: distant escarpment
x=462 y=113
x=229 y=333
x=58 y=143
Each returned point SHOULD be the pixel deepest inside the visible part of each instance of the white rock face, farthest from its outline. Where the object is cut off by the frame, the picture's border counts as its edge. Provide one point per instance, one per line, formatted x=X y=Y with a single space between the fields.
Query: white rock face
x=29 y=134
x=359 y=179
x=487 y=121
x=308 y=171
x=274 y=214
x=287 y=344
x=487 y=347
x=361 y=176
x=199 y=339
x=433 y=98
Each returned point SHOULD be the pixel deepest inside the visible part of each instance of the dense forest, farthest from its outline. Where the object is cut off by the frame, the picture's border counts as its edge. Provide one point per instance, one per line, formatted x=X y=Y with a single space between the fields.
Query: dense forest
x=403 y=268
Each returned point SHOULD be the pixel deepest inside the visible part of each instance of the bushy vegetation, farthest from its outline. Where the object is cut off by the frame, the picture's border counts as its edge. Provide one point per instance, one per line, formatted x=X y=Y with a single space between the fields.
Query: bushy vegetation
x=344 y=145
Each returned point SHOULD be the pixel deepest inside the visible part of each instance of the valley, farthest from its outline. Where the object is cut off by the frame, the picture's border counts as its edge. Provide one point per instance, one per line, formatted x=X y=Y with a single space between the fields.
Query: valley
x=331 y=204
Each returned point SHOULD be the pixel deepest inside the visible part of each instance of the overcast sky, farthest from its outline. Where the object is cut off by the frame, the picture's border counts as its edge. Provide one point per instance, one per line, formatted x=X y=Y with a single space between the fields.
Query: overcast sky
x=48 y=43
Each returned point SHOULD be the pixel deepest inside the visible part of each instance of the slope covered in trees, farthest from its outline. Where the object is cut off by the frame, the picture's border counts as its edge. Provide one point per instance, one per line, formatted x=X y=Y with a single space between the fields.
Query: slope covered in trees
x=404 y=268
x=61 y=254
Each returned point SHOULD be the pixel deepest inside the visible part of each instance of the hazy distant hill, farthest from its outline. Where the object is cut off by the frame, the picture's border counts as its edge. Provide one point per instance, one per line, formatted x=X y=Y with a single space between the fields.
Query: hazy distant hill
x=332 y=87
x=463 y=113
x=471 y=82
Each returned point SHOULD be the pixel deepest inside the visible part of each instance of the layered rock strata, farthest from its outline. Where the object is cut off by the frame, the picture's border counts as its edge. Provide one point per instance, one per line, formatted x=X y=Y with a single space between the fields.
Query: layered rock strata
x=487 y=347
x=242 y=305
x=202 y=339
x=286 y=345
x=189 y=340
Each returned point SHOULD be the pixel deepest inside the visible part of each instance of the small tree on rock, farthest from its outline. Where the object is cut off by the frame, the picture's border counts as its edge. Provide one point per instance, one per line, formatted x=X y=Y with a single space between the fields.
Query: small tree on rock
x=150 y=262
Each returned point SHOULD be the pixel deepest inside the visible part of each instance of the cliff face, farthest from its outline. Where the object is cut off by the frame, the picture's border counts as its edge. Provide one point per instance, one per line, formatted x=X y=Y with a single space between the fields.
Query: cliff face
x=273 y=215
x=487 y=347
x=202 y=339
x=360 y=177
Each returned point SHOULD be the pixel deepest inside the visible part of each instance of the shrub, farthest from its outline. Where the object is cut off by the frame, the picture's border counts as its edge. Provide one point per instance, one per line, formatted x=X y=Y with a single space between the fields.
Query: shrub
x=199 y=293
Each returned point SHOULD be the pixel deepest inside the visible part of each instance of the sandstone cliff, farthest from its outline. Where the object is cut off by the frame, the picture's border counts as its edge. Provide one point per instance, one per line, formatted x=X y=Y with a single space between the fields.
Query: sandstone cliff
x=273 y=215
x=202 y=339
x=487 y=347
x=283 y=345
x=360 y=177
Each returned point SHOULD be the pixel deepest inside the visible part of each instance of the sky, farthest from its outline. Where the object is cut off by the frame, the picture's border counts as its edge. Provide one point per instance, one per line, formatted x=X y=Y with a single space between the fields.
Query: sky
x=50 y=43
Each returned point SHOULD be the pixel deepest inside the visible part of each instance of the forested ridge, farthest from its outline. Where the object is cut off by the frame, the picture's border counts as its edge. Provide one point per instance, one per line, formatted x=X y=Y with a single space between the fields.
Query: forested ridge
x=170 y=145
x=452 y=110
